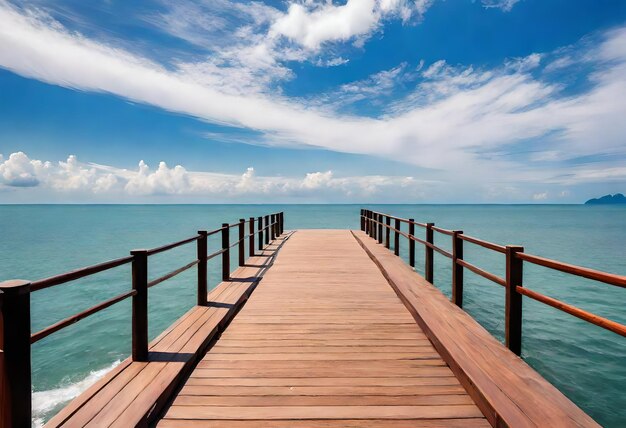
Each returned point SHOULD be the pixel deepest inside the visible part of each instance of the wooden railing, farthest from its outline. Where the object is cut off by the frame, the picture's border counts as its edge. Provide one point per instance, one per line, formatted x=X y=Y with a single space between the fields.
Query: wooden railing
x=16 y=337
x=373 y=223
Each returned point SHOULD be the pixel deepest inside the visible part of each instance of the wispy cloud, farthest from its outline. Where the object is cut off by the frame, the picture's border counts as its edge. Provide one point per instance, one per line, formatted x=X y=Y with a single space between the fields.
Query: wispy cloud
x=505 y=5
x=458 y=119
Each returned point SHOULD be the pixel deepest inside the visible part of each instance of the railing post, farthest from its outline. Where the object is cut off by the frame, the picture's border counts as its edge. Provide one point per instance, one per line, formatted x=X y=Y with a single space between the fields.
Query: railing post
x=380 y=228
x=367 y=222
x=429 y=254
x=140 y=305
x=16 y=410
x=251 y=239
x=513 y=300
x=274 y=226
x=362 y=218
x=457 y=269
x=242 y=242
x=411 y=243
x=373 y=227
x=260 y=231
x=282 y=223
x=202 y=268
x=267 y=231
x=225 y=252
x=396 y=238
x=387 y=231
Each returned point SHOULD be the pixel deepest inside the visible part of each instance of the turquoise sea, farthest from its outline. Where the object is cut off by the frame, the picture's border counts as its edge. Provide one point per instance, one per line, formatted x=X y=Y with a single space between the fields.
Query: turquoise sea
x=586 y=362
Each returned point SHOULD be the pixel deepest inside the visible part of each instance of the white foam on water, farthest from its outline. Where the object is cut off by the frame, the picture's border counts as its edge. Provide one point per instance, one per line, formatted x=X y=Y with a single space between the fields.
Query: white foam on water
x=46 y=401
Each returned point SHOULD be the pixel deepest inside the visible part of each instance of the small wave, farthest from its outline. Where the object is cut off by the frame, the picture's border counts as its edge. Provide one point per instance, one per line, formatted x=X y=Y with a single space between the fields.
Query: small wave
x=45 y=402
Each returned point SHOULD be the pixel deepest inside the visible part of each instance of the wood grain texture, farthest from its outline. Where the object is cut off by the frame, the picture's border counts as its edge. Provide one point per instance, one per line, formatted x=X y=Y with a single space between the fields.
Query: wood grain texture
x=323 y=341
x=507 y=389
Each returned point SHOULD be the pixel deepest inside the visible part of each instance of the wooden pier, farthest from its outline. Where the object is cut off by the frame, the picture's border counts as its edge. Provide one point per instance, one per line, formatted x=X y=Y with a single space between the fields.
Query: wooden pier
x=314 y=328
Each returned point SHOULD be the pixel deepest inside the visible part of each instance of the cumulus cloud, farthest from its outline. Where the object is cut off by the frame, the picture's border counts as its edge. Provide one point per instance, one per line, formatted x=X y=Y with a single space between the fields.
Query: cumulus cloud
x=72 y=177
x=19 y=171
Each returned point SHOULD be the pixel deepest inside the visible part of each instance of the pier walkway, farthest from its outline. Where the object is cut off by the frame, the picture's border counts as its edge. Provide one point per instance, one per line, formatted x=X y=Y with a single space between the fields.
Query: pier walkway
x=313 y=328
x=323 y=338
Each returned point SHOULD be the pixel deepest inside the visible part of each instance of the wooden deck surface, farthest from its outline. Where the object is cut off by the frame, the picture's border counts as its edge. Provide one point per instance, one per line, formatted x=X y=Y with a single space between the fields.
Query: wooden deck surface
x=323 y=341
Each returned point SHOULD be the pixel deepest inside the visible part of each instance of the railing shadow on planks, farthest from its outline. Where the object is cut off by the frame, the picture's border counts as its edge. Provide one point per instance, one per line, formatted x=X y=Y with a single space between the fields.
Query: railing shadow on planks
x=16 y=337
x=375 y=224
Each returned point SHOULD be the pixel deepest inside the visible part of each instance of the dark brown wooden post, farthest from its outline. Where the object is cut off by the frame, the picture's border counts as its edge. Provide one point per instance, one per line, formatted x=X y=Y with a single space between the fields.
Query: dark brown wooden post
x=242 y=242
x=411 y=243
x=16 y=410
x=140 y=305
x=362 y=218
x=387 y=231
x=225 y=252
x=380 y=228
x=367 y=222
x=251 y=239
x=271 y=228
x=260 y=230
x=374 y=226
x=396 y=238
x=282 y=222
x=429 y=254
x=275 y=227
x=513 y=300
x=202 y=268
x=267 y=231
x=457 y=269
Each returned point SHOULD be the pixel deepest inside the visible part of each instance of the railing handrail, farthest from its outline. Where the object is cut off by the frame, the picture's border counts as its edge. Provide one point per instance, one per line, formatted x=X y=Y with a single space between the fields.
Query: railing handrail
x=513 y=281
x=16 y=337
x=98 y=268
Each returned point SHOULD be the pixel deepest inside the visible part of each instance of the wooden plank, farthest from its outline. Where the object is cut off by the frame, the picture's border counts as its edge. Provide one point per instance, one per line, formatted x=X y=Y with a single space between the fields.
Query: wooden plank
x=326 y=349
x=322 y=400
x=378 y=364
x=322 y=390
x=330 y=381
x=344 y=423
x=323 y=412
x=344 y=371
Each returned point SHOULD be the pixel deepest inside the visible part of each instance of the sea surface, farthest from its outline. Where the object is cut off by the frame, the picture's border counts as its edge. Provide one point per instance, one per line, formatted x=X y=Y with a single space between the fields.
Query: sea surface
x=586 y=362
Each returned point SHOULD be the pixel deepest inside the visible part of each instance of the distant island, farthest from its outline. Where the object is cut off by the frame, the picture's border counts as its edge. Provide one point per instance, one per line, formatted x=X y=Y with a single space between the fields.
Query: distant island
x=616 y=199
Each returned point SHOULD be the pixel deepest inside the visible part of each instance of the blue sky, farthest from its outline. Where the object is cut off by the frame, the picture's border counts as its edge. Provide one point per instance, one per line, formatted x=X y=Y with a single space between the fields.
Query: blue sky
x=416 y=101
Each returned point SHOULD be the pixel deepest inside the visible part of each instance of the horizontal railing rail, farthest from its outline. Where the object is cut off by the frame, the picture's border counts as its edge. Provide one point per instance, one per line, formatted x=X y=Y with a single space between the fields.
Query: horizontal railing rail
x=16 y=337
x=373 y=223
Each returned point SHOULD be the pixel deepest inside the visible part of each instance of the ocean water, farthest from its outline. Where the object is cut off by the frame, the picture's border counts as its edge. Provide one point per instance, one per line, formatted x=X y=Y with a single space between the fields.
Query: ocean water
x=586 y=362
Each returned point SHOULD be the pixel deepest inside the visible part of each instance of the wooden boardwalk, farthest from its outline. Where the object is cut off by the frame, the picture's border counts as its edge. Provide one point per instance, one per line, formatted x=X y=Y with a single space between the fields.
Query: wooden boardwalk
x=323 y=341
x=315 y=328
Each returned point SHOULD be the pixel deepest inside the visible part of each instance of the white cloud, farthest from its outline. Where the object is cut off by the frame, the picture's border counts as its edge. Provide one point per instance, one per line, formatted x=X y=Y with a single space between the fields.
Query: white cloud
x=540 y=196
x=315 y=180
x=74 y=178
x=505 y=5
x=248 y=43
x=327 y=22
x=19 y=171
x=457 y=119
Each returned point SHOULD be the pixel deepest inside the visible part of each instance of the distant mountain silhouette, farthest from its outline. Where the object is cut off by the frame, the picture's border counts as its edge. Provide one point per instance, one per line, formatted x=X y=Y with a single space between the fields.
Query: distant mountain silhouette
x=616 y=199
